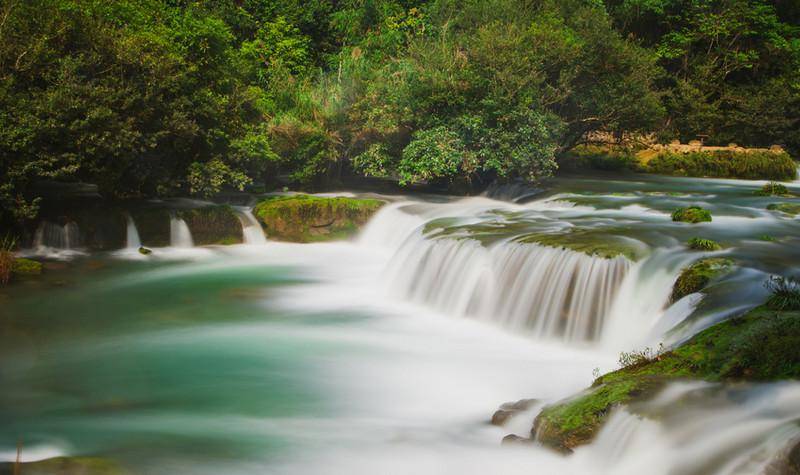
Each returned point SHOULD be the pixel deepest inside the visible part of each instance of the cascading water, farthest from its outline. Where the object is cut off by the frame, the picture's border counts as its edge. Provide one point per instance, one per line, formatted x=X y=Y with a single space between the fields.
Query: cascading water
x=546 y=291
x=251 y=229
x=132 y=240
x=51 y=235
x=179 y=233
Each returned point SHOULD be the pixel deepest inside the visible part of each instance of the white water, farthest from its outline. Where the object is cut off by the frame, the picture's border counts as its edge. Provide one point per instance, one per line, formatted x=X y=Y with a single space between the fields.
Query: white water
x=179 y=234
x=132 y=240
x=50 y=235
x=251 y=229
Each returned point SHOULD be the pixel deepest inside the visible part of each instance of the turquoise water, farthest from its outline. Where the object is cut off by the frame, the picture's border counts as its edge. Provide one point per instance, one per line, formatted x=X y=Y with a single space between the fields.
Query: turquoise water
x=290 y=358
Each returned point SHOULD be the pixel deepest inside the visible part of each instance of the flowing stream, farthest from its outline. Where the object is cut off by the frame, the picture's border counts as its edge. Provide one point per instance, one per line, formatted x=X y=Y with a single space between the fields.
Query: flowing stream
x=389 y=353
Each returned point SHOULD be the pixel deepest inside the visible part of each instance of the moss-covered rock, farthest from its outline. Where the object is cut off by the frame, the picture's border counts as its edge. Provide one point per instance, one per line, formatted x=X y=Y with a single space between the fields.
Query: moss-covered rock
x=761 y=345
x=773 y=189
x=792 y=209
x=66 y=466
x=22 y=267
x=698 y=275
x=213 y=225
x=592 y=242
x=303 y=218
x=691 y=214
x=701 y=244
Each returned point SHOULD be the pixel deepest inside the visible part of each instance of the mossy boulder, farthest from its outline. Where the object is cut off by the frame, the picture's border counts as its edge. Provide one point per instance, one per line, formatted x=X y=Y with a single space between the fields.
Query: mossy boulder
x=746 y=164
x=303 y=218
x=698 y=275
x=213 y=225
x=701 y=244
x=773 y=189
x=22 y=267
x=592 y=242
x=65 y=466
x=761 y=345
x=691 y=214
x=792 y=209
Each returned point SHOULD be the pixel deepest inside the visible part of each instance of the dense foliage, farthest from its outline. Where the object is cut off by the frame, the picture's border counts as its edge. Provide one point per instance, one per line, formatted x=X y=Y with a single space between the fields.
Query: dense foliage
x=166 y=97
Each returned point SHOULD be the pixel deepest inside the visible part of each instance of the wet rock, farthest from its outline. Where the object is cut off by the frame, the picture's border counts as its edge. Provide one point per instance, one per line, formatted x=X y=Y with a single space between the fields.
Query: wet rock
x=304 y=218
x=515 y=440
x=787 y=461
x=145 y=251
x=213 y=225
x=510 y=409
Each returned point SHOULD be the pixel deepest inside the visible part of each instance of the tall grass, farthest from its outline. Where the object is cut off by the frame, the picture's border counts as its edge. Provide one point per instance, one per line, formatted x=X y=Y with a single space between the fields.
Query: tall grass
x=8 y=245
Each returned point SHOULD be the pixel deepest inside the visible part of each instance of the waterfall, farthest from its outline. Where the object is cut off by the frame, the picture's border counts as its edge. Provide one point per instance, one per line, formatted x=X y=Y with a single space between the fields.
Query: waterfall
x=132 y=240
x=542 y=290
x=50 y=235
x=251 y=229
x=179 y=234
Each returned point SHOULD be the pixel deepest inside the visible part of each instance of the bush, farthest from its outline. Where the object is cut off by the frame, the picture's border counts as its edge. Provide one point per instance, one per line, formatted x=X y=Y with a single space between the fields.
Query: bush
x=771 y=189
x=638 y=358
x=700 y=244
x=751 y=165
x=7 y=246
x=785 y=293
x=692 y=214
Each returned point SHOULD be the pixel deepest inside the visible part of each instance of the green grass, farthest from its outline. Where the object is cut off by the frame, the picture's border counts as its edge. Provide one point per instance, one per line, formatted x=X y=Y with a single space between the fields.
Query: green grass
x=751 y=165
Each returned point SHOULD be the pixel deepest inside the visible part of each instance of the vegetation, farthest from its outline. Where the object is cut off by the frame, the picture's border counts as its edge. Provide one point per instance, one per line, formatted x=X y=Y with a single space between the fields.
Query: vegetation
x=773 y=189
x=785 y=293
x=303 y=218
x=7 y=247
x=725 y=164
x=761 y=345
x=65 y=465
x=788 y=208
x=149 y=98
x=698 y=275
x=598 y=244
x=700 y=244
x=691 y=214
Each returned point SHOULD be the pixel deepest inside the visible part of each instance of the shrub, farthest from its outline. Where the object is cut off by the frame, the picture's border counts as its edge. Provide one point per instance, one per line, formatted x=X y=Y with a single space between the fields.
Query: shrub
x=700 y=244
x=751 y=165
x=785 y=293
x=638 y=358
x=692 y=214
x=7 y=246
x=771 y=189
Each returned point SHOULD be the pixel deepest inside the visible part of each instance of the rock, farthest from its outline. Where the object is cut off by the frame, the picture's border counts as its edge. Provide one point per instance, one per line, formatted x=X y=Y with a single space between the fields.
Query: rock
x=213 y=225
x=145 y=251
x=304 y=218
x=691 y=214
x=512 y=439
x=787 y=461
x=153 y=225
x=697 y=276
x=22 y=267
x=510 y=409
x=65 y=466
x=501 y=416
x=792 y=209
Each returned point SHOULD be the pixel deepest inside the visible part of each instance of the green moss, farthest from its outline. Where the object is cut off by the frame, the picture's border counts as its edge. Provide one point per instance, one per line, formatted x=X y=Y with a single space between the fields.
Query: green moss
x=751 y=165
x=213 y=225
x=22 y=266
x=700 y=244
x=762 y=345
x=600 y=157
x=773 y=189
x=691 y=214
x=698 y=275
x=66 y=466
x=788 y=208
x=303 y=218
x=598 y=243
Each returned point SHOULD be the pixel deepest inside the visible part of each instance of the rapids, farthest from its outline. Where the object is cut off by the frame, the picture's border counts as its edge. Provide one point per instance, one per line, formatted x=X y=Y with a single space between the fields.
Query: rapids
x=389 y=353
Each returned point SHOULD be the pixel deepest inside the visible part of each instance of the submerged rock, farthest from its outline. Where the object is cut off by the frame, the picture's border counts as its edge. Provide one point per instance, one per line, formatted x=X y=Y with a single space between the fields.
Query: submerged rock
x=691 y=214
x=792 y=209
x=513 y=439
x=304 y=218
x=761 y=345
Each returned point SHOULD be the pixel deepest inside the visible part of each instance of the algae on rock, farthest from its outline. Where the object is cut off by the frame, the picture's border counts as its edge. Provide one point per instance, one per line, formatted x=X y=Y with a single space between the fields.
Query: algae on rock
x=698 y=275
x=304 y=218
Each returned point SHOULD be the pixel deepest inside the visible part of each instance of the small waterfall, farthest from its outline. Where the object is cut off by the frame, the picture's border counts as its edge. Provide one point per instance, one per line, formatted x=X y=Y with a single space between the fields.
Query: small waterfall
x=51 y=235
x=549 y=292
x=132 y=240
x=251 y=229
x=179 y=234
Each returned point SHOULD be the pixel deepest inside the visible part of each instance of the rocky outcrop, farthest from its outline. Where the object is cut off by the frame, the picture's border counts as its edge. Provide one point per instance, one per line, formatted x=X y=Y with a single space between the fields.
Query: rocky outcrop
x=213 y=225
x=698 y=275
x=304 y=218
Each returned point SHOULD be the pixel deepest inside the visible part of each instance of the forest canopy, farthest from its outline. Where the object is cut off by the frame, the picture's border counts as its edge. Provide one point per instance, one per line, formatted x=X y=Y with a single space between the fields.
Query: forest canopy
x=148 y=98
